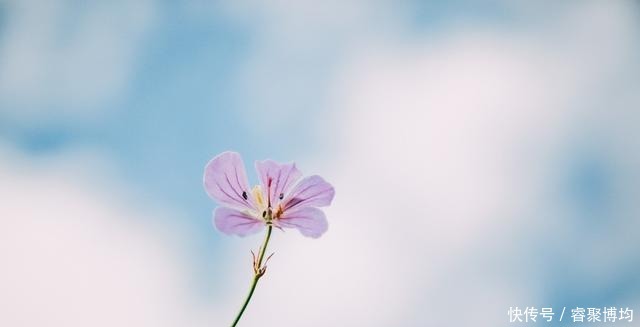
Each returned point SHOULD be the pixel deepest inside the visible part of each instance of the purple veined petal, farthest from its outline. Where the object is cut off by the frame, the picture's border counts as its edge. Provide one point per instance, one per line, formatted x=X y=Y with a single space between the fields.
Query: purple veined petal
x=276 y=178
x=312 y=191
x=233 y=222
x=225 y=180
x=311 y=222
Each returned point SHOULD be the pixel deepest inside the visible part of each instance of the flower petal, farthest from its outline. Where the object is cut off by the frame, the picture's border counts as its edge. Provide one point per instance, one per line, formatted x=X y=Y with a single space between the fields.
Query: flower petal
x=312 y=191
x=225 y=181
x=233 y=222
x=276 y=178
x=311 y=222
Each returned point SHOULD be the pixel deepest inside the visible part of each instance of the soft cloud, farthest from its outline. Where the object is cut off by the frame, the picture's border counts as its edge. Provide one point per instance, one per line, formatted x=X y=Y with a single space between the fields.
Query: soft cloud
x=74 y=254
x=295 y=46
x=446 y=153
x=63 y=60
x=444 y=149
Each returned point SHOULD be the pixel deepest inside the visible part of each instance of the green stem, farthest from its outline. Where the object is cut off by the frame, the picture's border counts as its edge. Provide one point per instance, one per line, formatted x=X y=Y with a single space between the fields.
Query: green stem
x=256 y=276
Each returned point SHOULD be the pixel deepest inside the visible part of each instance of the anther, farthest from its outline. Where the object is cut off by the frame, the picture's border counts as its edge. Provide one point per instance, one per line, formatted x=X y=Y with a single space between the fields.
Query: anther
x=281 y=196
x=244 y=195
x=264 y=214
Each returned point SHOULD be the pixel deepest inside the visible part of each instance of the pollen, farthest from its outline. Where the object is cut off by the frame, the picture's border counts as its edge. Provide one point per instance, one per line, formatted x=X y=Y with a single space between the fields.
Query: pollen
x=257 y=195
x=278 y=212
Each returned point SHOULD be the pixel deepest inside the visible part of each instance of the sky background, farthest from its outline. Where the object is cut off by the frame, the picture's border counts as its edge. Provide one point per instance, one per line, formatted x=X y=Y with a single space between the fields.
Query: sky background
x=483 y=156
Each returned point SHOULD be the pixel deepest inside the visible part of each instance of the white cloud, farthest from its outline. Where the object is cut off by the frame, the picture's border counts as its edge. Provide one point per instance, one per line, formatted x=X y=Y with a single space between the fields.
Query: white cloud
x=444 y=152
x=441 y=145
x=75 y=254
x=61 y=59
x=295 y=45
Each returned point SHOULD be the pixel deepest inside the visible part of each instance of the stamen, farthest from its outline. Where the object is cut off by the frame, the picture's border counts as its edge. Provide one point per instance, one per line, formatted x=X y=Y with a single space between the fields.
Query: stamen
x=257 y=196
x=244 y=195
x=279 y=212
x=269 y=180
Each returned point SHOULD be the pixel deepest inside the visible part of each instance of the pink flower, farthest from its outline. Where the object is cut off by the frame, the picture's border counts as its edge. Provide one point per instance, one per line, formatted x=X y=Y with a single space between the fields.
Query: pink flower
x=277 y=201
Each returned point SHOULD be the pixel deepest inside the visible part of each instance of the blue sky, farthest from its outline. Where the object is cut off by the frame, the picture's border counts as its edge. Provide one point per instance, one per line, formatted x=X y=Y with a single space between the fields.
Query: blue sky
x=472 y=121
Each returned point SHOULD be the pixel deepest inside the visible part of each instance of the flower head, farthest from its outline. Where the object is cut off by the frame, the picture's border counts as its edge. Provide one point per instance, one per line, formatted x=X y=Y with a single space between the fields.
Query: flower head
x=281 y=200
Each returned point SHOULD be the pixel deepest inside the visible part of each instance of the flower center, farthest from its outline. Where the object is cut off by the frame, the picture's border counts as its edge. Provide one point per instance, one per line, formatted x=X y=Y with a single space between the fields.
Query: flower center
x=263 y=206
x=263 y=209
